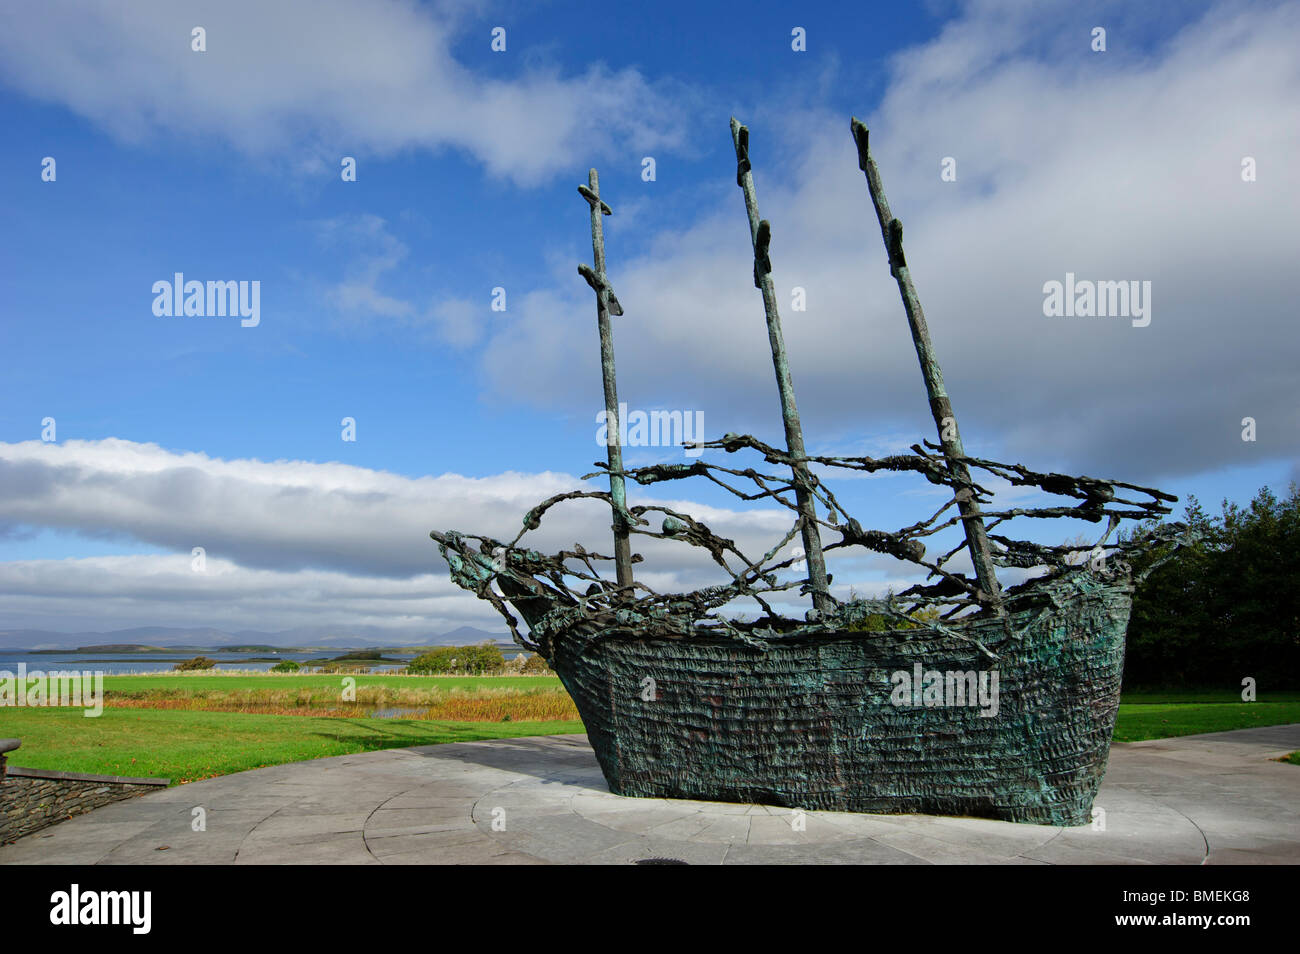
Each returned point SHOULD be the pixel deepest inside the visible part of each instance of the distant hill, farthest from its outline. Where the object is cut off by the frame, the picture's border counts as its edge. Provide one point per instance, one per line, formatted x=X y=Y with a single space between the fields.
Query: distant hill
x=156 y=638
x=466 y=635
x=120 y=648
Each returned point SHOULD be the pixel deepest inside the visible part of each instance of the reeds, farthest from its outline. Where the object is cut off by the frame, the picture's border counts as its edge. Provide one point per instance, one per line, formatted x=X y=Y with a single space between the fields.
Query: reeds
x=544 y=704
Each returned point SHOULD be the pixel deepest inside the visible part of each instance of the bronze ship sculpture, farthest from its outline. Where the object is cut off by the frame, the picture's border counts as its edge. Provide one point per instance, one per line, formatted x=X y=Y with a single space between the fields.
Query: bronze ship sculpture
x=864 y=705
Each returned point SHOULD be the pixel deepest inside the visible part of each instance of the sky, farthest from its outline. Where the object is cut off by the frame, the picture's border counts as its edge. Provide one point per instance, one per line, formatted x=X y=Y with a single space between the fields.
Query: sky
x=376 y=295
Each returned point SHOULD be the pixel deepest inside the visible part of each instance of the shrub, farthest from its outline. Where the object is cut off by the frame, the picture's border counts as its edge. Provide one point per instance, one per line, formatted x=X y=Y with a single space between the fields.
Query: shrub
x=475 y=660
x=435 y=661
x=535 y=663
x=287 y=665
x=481 y=659
x=884 y=622
x=198 y=662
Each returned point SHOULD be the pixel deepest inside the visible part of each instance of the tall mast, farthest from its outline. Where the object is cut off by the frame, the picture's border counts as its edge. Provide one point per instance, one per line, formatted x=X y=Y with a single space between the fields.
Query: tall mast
x=760 y=233
x=891 y=229
x=607 y=304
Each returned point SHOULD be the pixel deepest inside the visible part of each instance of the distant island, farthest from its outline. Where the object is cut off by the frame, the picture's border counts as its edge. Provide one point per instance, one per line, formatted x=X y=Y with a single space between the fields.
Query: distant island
x=379 y=654
x=107 y=648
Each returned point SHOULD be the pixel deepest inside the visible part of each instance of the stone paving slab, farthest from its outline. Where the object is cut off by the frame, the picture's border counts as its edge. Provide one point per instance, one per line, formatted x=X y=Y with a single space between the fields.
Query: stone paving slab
x=1217 y=799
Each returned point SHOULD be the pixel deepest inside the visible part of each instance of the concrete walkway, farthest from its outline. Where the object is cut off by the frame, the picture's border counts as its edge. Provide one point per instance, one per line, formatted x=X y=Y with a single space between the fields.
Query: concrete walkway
x=1192 y=800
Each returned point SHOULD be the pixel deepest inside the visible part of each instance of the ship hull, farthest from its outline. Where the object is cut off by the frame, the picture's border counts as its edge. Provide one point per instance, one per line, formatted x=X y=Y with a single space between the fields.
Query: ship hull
x=856 y=721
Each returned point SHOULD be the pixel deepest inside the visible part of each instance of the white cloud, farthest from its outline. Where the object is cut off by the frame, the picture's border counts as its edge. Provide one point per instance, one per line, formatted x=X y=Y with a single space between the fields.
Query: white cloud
x=292 y=543
x=280 y=514
x=341 y=77
x=1127 y=168
x=106 y=593
x=373 y=253
x=1119 y=167
x=460 y=322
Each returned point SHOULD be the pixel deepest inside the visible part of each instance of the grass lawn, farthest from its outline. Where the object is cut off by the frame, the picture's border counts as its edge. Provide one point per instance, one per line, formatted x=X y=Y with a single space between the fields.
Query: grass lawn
x=1188 y=696
x=1161 y=715
x=187 y=746
x=191 y=727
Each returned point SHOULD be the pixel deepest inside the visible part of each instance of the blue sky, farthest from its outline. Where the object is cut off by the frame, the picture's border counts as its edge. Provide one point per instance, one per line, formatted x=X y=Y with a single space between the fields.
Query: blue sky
x=376 y=294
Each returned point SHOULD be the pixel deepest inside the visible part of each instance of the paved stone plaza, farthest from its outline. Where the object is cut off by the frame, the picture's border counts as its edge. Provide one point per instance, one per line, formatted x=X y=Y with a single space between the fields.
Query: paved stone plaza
x=1192 y=800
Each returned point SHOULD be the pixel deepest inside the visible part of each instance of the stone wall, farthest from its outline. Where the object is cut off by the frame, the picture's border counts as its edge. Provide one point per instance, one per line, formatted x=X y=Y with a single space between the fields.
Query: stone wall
x=32 y=799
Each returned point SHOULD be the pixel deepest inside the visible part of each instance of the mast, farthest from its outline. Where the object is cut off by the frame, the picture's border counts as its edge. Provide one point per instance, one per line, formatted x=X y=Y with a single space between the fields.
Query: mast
x=607 y=304
x=760 y=233
x=891 y=229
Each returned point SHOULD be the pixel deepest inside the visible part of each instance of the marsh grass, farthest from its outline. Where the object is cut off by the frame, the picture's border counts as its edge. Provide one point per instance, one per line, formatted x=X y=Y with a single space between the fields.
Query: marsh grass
x=545 y=702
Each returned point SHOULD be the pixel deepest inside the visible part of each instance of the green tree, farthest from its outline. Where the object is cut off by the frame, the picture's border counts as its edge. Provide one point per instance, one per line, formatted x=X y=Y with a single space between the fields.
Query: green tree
x=535 y=663
x=1225 y=607
x=473 y=660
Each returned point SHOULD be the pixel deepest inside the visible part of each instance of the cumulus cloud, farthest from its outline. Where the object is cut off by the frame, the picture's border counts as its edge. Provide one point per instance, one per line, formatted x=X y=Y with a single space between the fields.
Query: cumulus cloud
x=266 y=514
x=288 y=543
x=335 y=76
x=1127 y=168
x=105 y=593
x=1109 y=166
x=459 y=321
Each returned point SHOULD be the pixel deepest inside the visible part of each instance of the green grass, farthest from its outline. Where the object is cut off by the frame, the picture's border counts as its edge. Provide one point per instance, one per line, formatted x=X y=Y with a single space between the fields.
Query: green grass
x=1184 y=696
x=186 y=746
x=189 y=745
x=1293 y=758
x=1164 y=713
x=1138 y=722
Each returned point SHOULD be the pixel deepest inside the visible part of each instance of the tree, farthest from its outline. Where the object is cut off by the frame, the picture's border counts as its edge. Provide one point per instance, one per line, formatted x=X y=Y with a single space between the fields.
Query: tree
x=535 y=663
x=433 y=662
x=1225 y=607
x=474 y=660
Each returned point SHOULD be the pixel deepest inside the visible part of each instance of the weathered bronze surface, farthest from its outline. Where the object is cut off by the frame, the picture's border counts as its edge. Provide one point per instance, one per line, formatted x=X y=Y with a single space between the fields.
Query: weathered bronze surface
x=945 y=418
x=761 y=236
x=607 y=304
x=809 y=721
